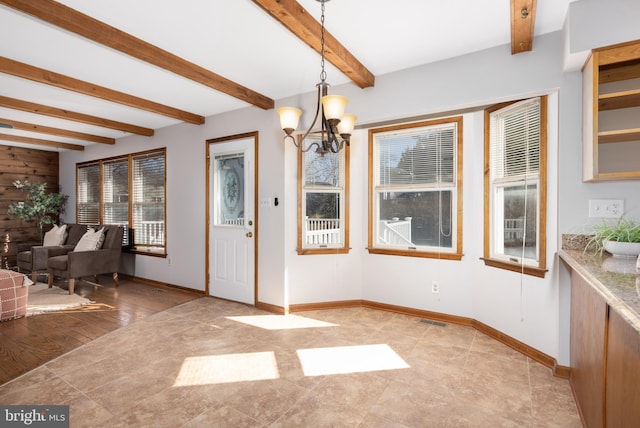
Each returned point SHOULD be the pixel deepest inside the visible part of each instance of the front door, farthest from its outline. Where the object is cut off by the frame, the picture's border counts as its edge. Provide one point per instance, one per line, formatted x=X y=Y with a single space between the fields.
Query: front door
x=231 y=219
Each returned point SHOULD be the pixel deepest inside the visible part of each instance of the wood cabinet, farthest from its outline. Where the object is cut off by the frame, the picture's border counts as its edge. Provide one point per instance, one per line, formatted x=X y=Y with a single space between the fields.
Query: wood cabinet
x=623 y=374
x=588 y=332
x=605 y=360
x=611 y=113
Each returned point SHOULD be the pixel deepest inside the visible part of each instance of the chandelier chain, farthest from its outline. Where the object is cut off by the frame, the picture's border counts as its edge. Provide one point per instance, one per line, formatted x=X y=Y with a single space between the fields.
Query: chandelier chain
x=323 y=74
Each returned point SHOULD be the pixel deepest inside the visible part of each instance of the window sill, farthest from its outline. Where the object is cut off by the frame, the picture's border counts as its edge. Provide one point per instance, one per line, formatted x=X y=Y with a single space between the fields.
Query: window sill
x=156 y=252
x=312 y=251
x=415 y=253
x=515 y=267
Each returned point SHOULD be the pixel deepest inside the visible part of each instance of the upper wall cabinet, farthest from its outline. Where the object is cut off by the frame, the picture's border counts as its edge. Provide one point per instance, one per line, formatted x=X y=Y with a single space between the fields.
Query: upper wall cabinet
x=611 y=113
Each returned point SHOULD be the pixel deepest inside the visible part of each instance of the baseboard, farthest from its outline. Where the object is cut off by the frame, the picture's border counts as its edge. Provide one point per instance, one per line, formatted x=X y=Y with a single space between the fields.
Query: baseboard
x=419 y=313
x=529 y=351
x=340 y=304
x=561 y=371
x=159 y=284
x=271 y=308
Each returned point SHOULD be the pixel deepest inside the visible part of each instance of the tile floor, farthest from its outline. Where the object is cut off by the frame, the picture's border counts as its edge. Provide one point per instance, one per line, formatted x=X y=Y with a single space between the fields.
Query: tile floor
x=210 y=363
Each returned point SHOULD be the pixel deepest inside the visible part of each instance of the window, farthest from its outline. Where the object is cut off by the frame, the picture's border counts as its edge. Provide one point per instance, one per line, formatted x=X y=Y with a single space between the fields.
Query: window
x=323 y=208
x=88 y=194
x=148 y=195
x=415 y=188
x=115 y=191
x=129 y=191
x=515 y=186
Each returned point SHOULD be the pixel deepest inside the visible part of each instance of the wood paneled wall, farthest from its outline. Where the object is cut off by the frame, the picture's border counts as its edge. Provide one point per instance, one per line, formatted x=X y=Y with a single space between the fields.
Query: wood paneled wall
x=17 y=163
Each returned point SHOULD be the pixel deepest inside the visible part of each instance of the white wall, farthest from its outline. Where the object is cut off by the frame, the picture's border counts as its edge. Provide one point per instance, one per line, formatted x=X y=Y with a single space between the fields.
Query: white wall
x=523 y=307
x=532 y=310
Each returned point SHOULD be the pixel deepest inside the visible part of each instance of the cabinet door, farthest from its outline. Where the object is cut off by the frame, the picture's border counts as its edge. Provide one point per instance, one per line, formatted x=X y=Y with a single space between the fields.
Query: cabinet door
x=623 y=373
x=587 y=349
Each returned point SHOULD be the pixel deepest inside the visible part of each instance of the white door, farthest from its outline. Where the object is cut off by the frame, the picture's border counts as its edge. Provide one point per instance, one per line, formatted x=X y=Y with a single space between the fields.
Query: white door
x=231 y=270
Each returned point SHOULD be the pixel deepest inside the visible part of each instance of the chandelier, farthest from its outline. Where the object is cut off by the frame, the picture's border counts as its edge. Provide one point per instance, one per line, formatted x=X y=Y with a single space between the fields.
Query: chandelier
x=336 y=126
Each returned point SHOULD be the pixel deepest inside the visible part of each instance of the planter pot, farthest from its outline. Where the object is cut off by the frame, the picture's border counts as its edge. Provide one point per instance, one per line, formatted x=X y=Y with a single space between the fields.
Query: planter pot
x=622 y=249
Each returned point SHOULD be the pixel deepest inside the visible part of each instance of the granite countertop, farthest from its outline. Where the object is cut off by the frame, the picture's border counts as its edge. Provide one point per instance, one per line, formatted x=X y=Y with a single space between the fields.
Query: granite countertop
x=614 y=278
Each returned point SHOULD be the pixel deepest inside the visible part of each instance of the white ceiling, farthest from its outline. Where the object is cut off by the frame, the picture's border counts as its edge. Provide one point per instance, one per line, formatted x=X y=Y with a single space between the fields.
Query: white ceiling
x=238 y=40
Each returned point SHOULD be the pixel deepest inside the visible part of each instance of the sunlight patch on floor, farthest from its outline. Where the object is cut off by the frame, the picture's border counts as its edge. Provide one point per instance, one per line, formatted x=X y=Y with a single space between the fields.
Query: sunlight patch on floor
x=349 y=359
x=228 y=368
x=281 y=322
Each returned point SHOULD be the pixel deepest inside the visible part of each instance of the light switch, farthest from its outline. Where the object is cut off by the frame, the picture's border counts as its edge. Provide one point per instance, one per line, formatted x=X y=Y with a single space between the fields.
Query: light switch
x=265 y=202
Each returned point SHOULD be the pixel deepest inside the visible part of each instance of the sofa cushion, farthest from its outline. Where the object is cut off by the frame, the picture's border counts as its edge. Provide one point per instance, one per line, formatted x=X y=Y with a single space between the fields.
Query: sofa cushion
x=13 y=295
x=56 y=236
x=58 y=262
x=75 y=232
x=92 y=240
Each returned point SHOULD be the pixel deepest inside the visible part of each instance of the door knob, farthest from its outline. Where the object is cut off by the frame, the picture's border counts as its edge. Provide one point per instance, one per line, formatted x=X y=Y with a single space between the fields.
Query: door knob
x=249 y=234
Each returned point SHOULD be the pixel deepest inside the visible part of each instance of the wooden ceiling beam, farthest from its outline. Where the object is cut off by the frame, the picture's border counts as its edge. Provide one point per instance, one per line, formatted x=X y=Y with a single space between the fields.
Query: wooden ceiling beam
x=30 y=107
x=297 y=20
x=40 y=75
x=39 y=142
x=523 y=18
x=62 y=16
x=32 y=127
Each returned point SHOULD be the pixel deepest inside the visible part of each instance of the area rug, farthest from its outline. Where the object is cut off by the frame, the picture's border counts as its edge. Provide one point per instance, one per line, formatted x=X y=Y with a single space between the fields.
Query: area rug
x=44 y=299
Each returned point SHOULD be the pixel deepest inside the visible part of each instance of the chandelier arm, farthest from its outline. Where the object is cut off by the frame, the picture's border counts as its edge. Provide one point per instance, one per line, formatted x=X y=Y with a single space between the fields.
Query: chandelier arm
x=317 y=146
x=334 y=143
x=315 y=118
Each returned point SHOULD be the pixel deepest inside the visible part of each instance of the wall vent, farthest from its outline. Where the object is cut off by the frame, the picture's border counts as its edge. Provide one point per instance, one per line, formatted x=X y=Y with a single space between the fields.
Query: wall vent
x=436 y=323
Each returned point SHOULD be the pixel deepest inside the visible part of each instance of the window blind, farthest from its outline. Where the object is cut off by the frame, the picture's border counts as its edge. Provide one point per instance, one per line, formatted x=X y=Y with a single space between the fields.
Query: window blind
x=88 y=194
x=515 y=144
x=424 y=157
x=148 y=194
x=115 y=191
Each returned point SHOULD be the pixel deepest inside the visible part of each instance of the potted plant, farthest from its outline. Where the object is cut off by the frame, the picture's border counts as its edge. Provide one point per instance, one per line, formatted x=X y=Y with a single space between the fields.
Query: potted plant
x=621 y=239
x=38 y=204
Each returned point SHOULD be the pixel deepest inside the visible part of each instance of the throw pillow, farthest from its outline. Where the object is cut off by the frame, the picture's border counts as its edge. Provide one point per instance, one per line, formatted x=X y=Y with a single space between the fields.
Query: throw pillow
x=91 y=240
x=55 y=236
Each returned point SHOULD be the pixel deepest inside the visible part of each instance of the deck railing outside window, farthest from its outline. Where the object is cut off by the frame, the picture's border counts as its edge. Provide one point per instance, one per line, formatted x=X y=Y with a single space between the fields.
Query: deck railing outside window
x=322 y=231
x=396 y=232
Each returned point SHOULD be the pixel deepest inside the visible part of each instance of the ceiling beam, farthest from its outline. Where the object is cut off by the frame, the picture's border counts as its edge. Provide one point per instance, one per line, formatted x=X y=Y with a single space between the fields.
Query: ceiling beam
x=40 y=75
x=523 y=18
x=295 y=18
x=39 y=142
x=32 y=127
x=73 y=116
x=76 y=22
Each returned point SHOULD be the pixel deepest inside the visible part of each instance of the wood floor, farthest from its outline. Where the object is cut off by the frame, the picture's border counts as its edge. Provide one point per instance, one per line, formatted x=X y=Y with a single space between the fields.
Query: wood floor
x=27 y=343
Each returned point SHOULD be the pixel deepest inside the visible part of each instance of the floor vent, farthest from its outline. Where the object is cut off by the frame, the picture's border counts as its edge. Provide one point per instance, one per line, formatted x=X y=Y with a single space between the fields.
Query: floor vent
x=436 y=323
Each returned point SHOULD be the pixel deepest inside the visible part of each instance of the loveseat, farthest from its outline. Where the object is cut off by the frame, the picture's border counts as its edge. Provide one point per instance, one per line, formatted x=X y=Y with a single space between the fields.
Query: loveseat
x=81 y=263
x=33 y=258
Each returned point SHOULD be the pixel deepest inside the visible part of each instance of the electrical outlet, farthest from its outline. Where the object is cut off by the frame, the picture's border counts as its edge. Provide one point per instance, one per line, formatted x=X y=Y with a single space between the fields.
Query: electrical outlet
x=435 y=287
x=606 y=208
